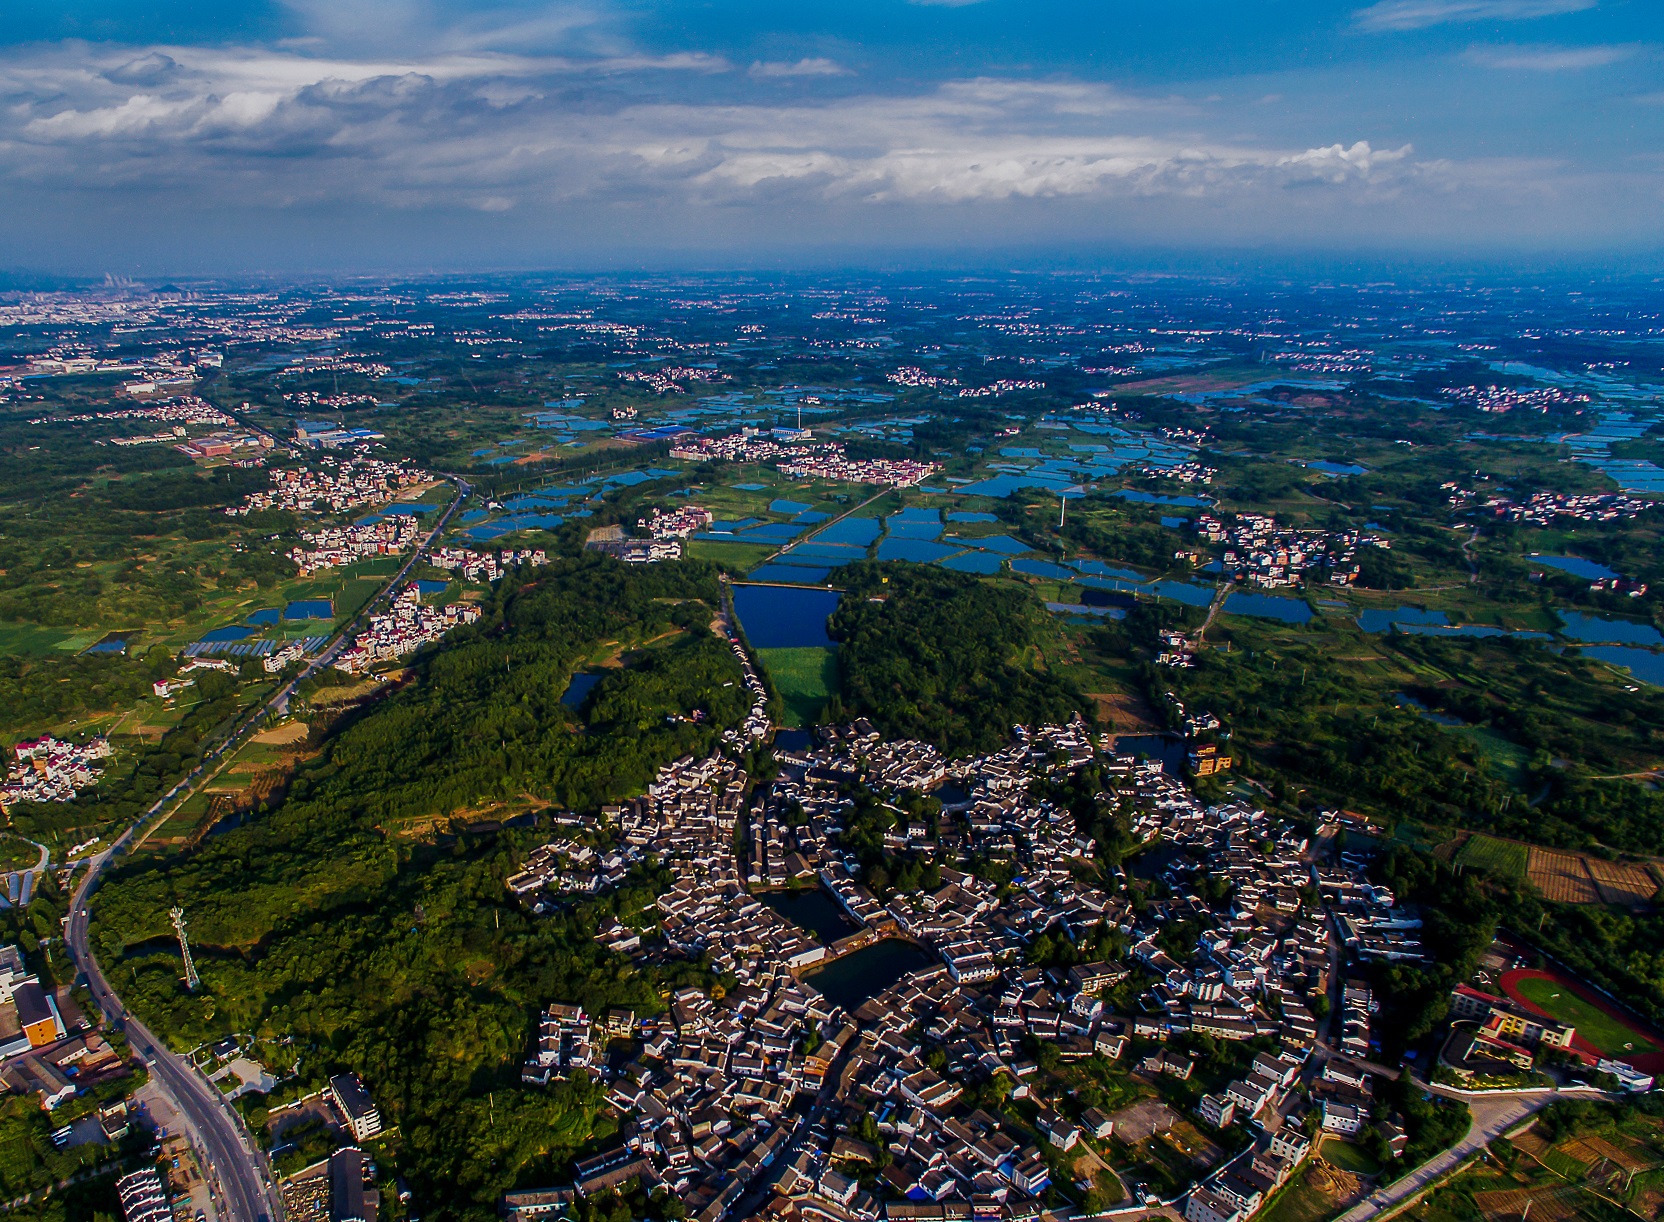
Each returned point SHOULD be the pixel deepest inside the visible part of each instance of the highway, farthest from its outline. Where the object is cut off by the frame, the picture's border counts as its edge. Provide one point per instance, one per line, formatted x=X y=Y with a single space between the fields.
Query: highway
x=239 y=1175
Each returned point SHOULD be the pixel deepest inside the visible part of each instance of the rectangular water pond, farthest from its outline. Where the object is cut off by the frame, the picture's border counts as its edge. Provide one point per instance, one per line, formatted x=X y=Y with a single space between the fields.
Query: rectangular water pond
x=865 y=973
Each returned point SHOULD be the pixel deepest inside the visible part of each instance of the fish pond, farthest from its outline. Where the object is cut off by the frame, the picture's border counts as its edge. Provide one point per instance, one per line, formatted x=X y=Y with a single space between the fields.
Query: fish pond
x=863 y=974
x=776 y=617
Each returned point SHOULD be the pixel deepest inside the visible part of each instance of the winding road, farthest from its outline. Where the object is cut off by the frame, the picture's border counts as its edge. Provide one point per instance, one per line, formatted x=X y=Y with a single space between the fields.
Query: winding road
x=239 y=1175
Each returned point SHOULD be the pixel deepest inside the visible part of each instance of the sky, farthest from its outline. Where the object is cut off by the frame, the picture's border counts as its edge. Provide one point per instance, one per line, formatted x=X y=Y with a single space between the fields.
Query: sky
x=196 y=136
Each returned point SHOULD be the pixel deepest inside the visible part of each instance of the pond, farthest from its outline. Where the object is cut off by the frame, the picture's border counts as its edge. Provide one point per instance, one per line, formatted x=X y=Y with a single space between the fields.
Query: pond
x=1577 y=567
x=1644 y=664
x=1183 y=592
x=1614 y=631
x=854 y=532
x=811 y=909
x=1379 y=619
x=920 y=551
x=310 y=608
x=856 y=977
x=1269 y=606
x=984 y=563
x=578 y=690
x=1152 y=498
x=777 y=618
x=233 y=632
x=790 y=572
x=1169 y=750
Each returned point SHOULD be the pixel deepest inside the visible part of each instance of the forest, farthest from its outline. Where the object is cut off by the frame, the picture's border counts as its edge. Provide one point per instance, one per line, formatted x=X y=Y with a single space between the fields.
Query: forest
x=361 y=926
x=940 y=656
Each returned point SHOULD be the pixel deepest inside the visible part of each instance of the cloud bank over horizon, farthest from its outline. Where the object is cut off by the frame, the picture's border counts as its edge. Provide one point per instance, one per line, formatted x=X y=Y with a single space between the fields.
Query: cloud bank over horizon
x=369 y=135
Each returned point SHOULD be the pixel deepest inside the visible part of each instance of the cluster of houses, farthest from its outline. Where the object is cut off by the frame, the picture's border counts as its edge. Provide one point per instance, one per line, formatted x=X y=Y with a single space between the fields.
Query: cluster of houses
x=912 y=375
x=1001 y=386
x=668 y=381
x=1236 y=946
x=637 y=551
x=678 y=524
x=1499 y=399
x=46 y=1047
x=336 y=546
x=403 y=630
x=1188 y=472
x=337 y=485
x=805 y=459
x=485 y=566
x=568 y=867
x=1263 y=552
x=182 y=410
x=48 y=769
x=757 y=724
x=1367 y=917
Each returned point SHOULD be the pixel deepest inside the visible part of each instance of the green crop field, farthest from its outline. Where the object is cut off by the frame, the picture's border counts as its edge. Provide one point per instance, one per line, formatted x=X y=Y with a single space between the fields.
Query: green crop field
x=1499 y=857
x=1606 y=1033
x=805 y=679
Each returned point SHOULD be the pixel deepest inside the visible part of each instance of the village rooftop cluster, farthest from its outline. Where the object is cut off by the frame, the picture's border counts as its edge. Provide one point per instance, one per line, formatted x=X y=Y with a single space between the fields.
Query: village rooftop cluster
x=819 y=460
x=336 y=546
x=51 y=769
x=1263 y=552
x=335 y=486
x=706 y=1103
x=403 y=630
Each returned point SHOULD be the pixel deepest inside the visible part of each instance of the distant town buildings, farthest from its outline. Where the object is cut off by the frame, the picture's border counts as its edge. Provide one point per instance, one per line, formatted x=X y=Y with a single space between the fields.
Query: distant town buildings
x=333 y=486
x=806 y=460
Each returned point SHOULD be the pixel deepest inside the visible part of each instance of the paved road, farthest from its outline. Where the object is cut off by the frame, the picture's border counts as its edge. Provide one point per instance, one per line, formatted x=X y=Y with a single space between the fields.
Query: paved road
x=240 y=1176
x=1491 y=1119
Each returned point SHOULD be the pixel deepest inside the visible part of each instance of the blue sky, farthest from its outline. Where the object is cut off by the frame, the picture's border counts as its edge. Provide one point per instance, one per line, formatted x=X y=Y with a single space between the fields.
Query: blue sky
x=351 y=135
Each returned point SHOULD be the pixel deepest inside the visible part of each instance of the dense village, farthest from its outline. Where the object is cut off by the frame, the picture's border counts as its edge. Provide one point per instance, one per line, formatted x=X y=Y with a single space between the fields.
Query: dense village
x=334 y=485
x=794 y=453
x=994 y=1067
x=1263 y=552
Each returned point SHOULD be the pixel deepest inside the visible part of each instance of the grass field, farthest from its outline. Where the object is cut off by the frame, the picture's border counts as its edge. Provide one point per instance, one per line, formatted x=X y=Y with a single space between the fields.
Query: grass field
x=1606 y=1033
x=805 y=679
x=1499 y=857
x=1349 y=1157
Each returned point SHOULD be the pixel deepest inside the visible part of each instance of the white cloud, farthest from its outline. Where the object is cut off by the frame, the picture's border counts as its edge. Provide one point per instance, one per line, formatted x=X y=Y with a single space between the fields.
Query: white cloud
x=523 y=136
x=1419 y=14
x=803 y=67
x=1549 y=58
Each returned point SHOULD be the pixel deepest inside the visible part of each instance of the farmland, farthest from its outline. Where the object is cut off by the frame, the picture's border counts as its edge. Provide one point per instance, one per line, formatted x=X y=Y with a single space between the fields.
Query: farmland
x=1502 y=858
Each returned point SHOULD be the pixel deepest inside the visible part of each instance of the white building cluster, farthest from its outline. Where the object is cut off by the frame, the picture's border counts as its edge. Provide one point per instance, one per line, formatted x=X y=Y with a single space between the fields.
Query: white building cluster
x=335 y=486
x=48 y=769
x=1499 y=399
x=1263 y=552
x=806 y=460
x=485 y=566
x=403 y=630
x=678 y=524
x=336 y=546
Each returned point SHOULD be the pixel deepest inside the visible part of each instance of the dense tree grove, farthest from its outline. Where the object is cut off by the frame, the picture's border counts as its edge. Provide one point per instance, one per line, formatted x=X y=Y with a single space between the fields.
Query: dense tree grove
x=935 y=655
x=356 y=927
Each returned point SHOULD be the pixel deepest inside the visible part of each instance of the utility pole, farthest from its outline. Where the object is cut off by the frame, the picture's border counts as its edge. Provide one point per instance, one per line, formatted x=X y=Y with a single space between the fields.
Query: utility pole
x=192 y=981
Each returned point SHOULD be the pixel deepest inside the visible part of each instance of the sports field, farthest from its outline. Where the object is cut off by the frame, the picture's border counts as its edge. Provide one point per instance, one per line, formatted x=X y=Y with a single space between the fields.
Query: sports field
x=1604 y=1032
x=805 y=679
